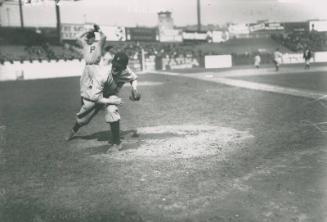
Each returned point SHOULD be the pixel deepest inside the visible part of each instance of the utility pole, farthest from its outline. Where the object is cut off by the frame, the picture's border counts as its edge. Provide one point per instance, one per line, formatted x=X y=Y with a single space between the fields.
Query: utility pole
x=58 y=20
x=199 y=14
x=21 y=14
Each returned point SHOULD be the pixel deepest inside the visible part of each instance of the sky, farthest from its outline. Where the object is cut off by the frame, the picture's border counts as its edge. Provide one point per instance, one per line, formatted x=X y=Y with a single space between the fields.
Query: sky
x=144 y=12
x=213 y=11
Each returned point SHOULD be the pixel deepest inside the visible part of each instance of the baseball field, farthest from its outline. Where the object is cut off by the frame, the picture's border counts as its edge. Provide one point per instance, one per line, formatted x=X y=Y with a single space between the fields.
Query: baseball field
x=208 y=147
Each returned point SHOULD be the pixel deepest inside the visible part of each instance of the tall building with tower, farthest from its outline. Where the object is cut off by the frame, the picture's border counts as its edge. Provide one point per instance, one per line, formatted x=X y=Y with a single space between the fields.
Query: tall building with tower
x=165 y=20
x=167 y=32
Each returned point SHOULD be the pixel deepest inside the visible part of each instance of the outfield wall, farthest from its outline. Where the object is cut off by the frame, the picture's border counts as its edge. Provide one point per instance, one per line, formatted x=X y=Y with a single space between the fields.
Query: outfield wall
x=295 y=58
x=292 y=58
x=217 y=61
x=40 y=69
x=320 y=56
x=28 y=70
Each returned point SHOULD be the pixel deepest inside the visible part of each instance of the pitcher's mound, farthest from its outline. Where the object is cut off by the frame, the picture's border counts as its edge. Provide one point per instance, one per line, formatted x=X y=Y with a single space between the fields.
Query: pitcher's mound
x=183 y=141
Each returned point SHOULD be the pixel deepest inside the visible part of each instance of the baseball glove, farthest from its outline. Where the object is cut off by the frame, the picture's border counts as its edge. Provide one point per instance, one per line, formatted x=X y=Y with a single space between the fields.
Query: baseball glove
x=96 y=27
x=135 y=95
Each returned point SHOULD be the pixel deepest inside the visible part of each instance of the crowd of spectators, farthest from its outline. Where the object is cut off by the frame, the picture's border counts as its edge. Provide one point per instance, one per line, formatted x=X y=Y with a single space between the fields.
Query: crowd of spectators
x=35 y=47
x=36 y=52
x=153 y=52
x=298 y=41
x=175 y=53
x=31 y=45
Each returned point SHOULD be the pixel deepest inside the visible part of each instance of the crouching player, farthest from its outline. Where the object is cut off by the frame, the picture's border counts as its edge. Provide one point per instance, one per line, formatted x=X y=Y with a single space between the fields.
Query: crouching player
x=121 y=74
x=103 y=93
x=93 y=100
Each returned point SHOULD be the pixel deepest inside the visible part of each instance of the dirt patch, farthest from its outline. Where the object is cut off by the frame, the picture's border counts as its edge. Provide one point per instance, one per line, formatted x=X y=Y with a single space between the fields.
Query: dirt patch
x=184 y=141
x=148 y=83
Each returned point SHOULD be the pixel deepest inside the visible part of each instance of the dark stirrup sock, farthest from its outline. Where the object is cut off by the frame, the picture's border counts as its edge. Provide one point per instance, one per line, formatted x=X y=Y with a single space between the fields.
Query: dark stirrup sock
x=76 y=127
x=115 y=132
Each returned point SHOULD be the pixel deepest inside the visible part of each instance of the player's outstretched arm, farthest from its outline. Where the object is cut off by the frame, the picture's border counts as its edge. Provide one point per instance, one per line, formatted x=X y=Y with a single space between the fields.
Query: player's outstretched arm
x=134 y=84
x=135 y=94
x=129 y=75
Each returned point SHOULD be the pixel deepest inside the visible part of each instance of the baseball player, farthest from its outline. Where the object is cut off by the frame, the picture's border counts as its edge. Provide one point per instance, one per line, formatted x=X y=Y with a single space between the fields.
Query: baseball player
x=277 y=59
x=93 y=81
x=121 y=74
x=92 y=52
x=307 y=55
x=257 y=60
x=108 y=56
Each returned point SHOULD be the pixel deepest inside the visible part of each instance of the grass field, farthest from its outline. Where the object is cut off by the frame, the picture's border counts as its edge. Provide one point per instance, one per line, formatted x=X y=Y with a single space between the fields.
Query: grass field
x=205 y=152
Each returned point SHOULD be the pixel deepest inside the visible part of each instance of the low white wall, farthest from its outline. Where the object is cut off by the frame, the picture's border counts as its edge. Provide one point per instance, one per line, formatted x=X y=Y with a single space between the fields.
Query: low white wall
x=56 y=69
x=320 y=57
x=40 y=70
x=218 y=61
x=179 y=63
x=293 y=58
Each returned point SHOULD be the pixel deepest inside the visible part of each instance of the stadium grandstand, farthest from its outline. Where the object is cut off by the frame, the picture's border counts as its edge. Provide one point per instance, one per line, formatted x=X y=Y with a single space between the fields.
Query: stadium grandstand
x=179 y=45
x=35 y=45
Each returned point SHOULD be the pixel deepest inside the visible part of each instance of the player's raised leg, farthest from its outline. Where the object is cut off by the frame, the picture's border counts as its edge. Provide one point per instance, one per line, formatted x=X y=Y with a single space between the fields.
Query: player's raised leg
x=88 y=110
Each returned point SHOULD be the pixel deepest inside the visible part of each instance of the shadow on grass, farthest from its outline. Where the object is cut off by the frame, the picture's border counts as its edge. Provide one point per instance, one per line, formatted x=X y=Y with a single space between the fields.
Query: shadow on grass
x=131 y=140
x=26 y=209
x=106 y=135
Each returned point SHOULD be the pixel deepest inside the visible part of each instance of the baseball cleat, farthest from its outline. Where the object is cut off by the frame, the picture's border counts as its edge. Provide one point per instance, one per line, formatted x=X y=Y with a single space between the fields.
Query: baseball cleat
x=114 y=148
x=70 y=135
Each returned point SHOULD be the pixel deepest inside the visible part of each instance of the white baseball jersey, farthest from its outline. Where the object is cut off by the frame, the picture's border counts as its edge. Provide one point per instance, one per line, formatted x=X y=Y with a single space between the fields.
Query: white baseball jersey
x=257 y=60
x=278 y=57
x=92 y=55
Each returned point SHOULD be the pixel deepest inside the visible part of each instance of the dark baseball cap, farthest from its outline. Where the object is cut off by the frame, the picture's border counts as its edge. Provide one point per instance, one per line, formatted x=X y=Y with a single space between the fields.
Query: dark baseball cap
x=90 y=35
x=120 y=60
